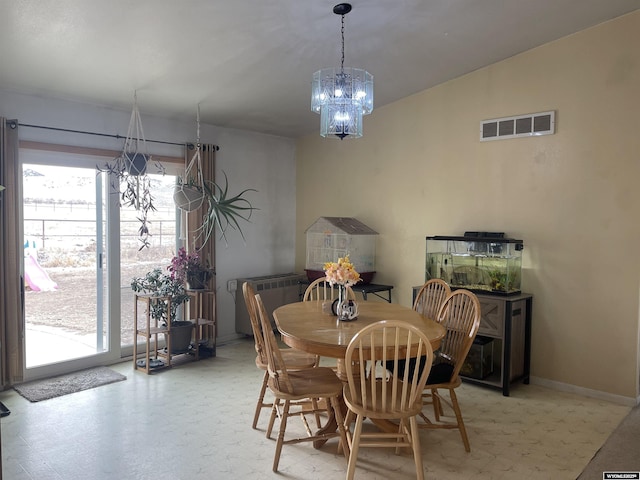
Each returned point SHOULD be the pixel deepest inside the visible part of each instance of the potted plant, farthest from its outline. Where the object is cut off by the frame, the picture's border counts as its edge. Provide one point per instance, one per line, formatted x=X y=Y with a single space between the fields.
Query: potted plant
x=161 y=284
x=130 y=171
x=189 y=191
x=188 y=194
x=135 y=191
x=223 y=211
x=191 y=268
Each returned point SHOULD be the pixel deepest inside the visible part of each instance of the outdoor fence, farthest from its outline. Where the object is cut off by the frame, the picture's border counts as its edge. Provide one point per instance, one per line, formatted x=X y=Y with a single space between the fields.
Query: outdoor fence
x=56 y=230
x=73 y=226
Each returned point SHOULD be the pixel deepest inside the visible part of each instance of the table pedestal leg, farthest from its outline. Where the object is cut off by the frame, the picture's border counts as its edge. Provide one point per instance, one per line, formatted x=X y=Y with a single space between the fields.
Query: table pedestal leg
x=332 y=424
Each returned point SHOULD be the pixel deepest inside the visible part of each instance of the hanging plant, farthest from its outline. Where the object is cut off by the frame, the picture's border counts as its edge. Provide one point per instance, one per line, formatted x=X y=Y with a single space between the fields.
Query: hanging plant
x=188 y=195
x=189 y=192
x=223 y=211
x=130 y=170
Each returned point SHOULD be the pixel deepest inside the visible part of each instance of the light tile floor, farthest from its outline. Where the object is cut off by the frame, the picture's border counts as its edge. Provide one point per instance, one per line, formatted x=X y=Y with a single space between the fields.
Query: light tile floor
x=194 y=422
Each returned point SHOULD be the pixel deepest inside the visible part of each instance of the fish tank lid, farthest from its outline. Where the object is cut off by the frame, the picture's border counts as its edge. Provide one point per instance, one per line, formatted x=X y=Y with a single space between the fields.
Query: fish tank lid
x=492 y=237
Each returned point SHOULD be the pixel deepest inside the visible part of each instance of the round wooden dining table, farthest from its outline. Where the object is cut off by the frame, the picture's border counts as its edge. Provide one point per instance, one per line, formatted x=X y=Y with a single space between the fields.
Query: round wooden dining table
x=305 y=326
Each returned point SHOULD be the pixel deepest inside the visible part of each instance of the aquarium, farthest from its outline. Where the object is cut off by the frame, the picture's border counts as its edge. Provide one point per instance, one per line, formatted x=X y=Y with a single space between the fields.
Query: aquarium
x=483 y=262
x=330 y=238
x=479 y=361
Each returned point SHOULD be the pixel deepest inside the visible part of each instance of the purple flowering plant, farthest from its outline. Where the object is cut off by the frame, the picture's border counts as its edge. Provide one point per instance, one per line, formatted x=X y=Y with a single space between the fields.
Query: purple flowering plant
x=185 y=265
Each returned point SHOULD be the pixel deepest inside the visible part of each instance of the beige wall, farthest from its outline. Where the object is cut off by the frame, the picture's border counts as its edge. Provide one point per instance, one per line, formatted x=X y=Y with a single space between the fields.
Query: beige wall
x=572 y=197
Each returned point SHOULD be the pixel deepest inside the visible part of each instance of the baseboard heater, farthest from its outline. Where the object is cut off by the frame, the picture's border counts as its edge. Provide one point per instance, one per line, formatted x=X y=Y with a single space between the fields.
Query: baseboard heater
x=275 y=290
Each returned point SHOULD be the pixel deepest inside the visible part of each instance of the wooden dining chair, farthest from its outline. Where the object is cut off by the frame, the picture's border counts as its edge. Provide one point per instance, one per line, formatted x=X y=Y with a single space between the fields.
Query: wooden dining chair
x=320 y=291
x=291 y=387
x=389 y=395
x=460 y=315
x=294 y=359
x=428 y=302
x=430 y=298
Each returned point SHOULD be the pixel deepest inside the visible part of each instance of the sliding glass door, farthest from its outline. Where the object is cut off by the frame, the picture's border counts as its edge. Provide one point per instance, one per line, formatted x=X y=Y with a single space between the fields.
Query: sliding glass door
x=64 y=245
x=81 y=251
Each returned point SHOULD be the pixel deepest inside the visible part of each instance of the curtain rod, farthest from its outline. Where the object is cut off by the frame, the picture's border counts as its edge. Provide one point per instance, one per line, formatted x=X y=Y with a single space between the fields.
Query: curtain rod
x=190 y=146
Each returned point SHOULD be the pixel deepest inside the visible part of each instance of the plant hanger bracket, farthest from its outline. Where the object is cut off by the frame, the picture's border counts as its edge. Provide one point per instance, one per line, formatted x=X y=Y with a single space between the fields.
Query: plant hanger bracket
x=134 y=152
x=189 y=192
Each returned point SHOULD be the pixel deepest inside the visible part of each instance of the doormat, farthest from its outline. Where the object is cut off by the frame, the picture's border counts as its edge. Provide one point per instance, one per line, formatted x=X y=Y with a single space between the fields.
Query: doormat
x=65 y=384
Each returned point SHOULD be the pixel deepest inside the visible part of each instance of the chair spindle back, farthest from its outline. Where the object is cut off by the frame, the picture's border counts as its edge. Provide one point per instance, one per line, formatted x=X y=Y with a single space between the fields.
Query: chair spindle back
x=431 y=297
x=460 y=315
x=276 y=366
x=321 y=291
x=256 y=327
x=384 y=341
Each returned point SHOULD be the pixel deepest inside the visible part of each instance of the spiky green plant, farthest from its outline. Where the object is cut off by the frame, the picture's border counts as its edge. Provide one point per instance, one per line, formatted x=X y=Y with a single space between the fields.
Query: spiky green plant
x=223 y=211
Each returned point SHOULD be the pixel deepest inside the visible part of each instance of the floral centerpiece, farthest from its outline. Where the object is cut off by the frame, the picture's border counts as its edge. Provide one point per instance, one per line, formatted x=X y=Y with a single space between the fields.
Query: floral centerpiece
x=343 y=274
x=191 y=268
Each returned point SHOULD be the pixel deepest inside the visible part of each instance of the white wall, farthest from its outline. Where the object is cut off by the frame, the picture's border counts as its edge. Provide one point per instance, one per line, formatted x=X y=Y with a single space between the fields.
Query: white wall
x=250 y=160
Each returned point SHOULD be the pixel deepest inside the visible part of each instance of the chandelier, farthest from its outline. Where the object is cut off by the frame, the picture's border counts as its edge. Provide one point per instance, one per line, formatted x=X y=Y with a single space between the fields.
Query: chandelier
x=342 y=96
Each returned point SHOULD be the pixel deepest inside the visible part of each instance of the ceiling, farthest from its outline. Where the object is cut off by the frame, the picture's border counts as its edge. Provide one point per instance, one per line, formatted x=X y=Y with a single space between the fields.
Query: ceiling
x=248 y=63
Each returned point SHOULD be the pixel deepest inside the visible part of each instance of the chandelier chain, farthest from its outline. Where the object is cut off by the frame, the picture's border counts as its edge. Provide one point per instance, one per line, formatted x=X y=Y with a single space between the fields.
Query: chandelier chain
x=342 y=32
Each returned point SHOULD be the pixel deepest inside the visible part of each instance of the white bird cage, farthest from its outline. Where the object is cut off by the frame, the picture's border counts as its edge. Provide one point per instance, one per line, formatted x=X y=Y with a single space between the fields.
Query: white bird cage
x=330 y=238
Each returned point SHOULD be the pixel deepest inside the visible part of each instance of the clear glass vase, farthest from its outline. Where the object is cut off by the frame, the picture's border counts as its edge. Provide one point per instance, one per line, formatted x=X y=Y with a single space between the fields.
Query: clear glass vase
x=345 y=309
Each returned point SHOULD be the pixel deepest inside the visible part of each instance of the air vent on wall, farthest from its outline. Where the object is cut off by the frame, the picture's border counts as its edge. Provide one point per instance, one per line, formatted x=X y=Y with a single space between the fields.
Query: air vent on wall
x=542 y=123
